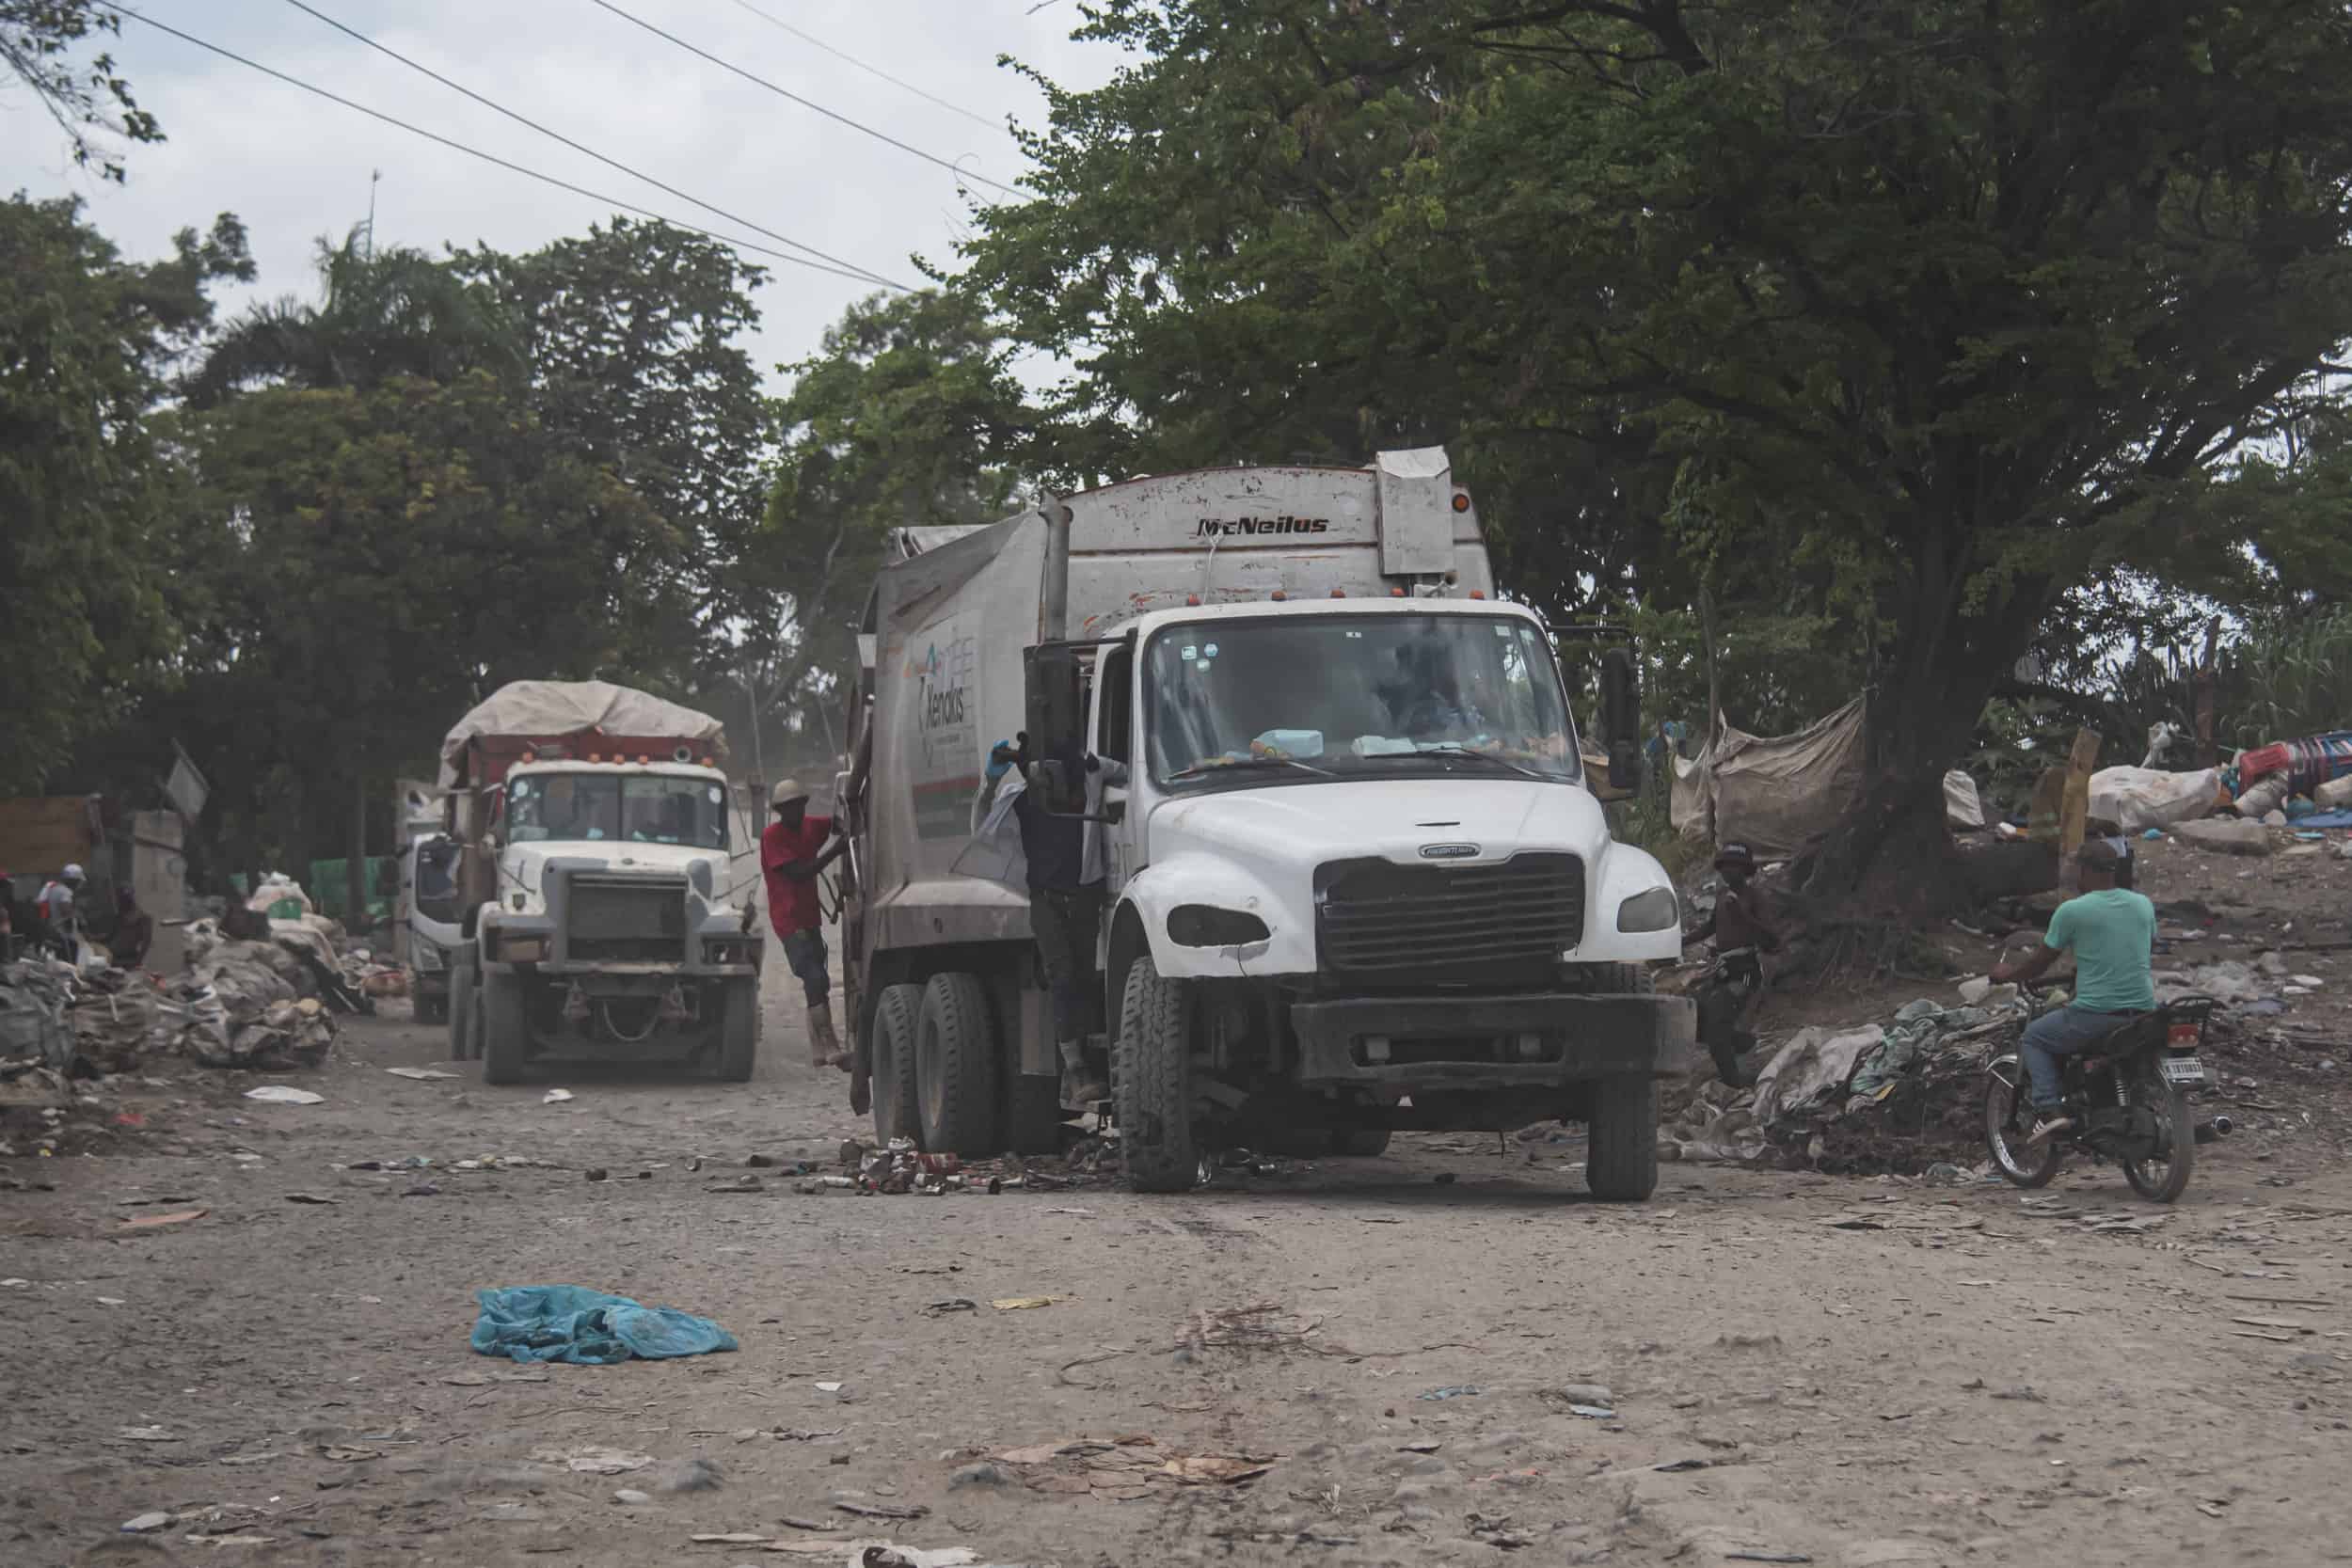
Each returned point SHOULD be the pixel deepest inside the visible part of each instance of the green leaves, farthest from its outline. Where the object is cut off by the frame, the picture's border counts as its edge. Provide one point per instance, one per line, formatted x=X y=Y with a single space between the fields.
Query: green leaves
x=38 y=41
x=910 y=417
x=1903 y=319
x=84 y=603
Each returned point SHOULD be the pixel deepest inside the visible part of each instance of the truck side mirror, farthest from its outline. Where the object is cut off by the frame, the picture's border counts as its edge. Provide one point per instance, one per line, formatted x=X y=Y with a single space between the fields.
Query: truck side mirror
x=1055 y=700
x=1621 y=715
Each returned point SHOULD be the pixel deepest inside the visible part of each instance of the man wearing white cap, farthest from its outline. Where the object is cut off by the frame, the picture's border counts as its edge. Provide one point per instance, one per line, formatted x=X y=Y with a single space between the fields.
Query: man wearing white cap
x=792 y=851
x=55 y=905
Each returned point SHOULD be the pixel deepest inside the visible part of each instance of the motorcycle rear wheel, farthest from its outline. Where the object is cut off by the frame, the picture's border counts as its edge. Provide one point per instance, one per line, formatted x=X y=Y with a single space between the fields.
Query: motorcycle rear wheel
x=2007 y=1117
x=2164 y=1176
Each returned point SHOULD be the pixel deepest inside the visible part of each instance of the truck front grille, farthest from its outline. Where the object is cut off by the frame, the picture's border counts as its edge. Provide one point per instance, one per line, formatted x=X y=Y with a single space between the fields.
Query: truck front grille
x=1378 y=918
x=616 y=919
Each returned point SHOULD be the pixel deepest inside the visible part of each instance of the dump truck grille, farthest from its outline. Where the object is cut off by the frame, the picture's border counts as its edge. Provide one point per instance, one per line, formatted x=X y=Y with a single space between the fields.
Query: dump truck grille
x=1377 y=917
x=625 y=920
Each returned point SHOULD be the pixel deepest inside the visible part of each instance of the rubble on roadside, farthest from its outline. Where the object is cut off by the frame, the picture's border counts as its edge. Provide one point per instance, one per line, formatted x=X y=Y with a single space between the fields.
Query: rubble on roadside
x=898 y=1168
x=242 y=1004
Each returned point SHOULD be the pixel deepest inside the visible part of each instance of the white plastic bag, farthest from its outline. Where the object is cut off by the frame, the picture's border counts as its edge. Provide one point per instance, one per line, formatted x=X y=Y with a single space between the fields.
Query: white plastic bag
x=1962 y=806
x=2138 y=799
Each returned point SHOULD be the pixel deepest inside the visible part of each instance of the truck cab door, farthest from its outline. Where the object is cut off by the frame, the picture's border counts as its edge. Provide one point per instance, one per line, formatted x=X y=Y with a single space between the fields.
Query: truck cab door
x=1112 y=729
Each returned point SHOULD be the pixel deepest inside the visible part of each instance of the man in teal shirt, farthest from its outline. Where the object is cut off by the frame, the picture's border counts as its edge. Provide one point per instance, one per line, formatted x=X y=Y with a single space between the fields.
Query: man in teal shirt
x=2112 y=933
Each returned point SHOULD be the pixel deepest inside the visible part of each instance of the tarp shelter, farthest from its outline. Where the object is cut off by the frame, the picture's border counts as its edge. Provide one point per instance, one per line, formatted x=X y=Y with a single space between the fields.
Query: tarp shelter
x=1775 y=796
x=557 y=708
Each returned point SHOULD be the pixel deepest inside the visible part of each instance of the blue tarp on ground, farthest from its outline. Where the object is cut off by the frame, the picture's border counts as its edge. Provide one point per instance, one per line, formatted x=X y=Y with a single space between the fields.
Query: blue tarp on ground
x=571 y=1322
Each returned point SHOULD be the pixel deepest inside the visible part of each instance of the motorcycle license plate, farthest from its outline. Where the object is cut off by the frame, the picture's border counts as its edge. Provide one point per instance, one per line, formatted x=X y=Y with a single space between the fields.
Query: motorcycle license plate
x=2184 y=1070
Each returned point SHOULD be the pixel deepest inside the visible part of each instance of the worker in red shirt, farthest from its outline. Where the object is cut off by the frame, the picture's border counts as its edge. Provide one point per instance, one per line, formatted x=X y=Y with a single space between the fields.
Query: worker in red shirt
x=792 y=851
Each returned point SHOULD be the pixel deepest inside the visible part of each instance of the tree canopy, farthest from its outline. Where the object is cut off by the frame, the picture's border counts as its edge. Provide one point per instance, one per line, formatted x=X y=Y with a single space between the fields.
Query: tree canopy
x=1933 y=310
x=86 y=344
x=909 y=416
x=92 y=106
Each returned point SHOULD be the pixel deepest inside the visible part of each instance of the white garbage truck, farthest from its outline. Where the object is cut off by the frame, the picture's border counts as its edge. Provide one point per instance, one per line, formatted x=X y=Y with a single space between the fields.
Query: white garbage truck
x=1356 y=879
x=604 y=899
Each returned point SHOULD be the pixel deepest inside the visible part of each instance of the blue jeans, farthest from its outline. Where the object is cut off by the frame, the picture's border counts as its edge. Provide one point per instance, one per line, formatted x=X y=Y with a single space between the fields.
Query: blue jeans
x=2061 y=1033
x=804 y=951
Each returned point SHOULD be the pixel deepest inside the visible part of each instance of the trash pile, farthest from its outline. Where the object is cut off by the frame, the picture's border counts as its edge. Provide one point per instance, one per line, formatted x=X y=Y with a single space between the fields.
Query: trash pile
x=1878 y=1096
x=243 y=1004
x=240 y=1004
x=37 y=1043
x=898 y=1168
x=58 y=1023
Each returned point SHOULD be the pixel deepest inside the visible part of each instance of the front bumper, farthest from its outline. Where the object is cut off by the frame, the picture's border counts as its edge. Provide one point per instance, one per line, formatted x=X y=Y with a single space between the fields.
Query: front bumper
x=1491 y=1042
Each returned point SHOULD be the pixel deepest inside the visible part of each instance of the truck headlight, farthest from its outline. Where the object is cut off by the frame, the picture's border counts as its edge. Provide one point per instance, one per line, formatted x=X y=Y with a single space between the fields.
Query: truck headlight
x=1206 y=926
x=1652 y=910
x=523 y=950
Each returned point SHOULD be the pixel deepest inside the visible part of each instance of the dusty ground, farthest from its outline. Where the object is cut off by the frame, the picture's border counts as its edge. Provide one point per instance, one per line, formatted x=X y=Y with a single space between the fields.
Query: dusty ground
x=1974 y=1378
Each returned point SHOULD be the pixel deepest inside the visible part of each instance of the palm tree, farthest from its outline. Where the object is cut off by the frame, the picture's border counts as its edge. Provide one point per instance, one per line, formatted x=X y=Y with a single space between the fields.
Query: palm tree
x=384 y=313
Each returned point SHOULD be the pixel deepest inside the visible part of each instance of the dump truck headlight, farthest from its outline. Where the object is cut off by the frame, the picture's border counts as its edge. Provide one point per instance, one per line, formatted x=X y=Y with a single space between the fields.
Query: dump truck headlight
x=1206 y=926
x=523 y=950
x=1652 y=910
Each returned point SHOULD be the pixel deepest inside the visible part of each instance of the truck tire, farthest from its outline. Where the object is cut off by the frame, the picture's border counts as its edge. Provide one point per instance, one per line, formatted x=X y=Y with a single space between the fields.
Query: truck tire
x=1360 y=1143
x=1151 y=1082
x=460 y=1007
x=896 y=1010
x=502 y=1035
x=1621 y=1156
x=955 y=1068
x=739 y=1032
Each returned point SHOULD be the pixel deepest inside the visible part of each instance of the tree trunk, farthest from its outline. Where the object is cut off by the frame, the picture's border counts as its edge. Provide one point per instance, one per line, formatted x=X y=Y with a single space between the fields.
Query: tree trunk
x=1892 y=854
x=1714 y=684
x=356 y=859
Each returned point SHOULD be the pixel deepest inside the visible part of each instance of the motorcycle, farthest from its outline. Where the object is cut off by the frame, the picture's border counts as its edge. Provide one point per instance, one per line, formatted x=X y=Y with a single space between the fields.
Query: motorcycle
x=2128 y=1095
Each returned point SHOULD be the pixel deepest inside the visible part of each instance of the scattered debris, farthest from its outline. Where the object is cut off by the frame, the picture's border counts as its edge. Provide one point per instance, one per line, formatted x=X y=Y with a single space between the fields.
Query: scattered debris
x=157 y=1222
x=420 y=1073
x=1125 y=1468
x=555 y=1097
x=280 y=1094
x=570 y=1323
x=310 y=1197
x=882 y=1510
x=1453 y=1391
x=1023 y=1304
x=594 y=1461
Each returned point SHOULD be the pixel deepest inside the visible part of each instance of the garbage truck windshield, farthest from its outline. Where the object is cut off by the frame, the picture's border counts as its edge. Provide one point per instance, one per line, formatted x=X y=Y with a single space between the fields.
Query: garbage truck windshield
x=1304 y=698
x=634 y=808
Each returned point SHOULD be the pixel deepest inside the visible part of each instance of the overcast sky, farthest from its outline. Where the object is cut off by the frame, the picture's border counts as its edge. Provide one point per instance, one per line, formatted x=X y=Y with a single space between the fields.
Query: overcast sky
x=295 y=168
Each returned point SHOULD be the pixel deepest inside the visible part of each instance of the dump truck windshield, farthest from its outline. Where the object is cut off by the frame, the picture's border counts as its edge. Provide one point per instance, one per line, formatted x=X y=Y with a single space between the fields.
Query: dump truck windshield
x=617 y=808
x=1355 y=697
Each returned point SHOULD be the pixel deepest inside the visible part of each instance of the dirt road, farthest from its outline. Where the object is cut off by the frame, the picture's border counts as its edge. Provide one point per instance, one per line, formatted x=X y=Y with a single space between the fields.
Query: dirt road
x=1791 y=1366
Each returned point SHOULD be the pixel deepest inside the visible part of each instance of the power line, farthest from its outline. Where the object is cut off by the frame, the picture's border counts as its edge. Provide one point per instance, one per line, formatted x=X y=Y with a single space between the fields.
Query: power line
x=870 y=70
x=859 y=277
x=557 y=136
x=952 y=168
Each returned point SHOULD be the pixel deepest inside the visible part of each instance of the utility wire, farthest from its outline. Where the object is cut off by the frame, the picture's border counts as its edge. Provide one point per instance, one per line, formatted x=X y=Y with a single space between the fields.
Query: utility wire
x=870 y=70
x=952 y=168
x=558 y=135
x=859 y=277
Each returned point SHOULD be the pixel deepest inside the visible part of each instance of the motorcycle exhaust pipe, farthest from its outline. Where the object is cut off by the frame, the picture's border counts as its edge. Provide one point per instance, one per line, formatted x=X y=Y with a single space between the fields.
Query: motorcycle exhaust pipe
x=2214 y=1131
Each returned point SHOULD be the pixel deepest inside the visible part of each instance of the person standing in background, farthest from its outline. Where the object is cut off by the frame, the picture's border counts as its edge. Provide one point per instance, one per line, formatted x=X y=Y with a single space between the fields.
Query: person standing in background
x=792 y=851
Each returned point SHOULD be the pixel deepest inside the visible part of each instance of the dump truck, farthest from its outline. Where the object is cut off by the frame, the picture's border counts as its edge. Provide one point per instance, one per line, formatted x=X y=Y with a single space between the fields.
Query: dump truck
x=603 y=900
x=1356 y=879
